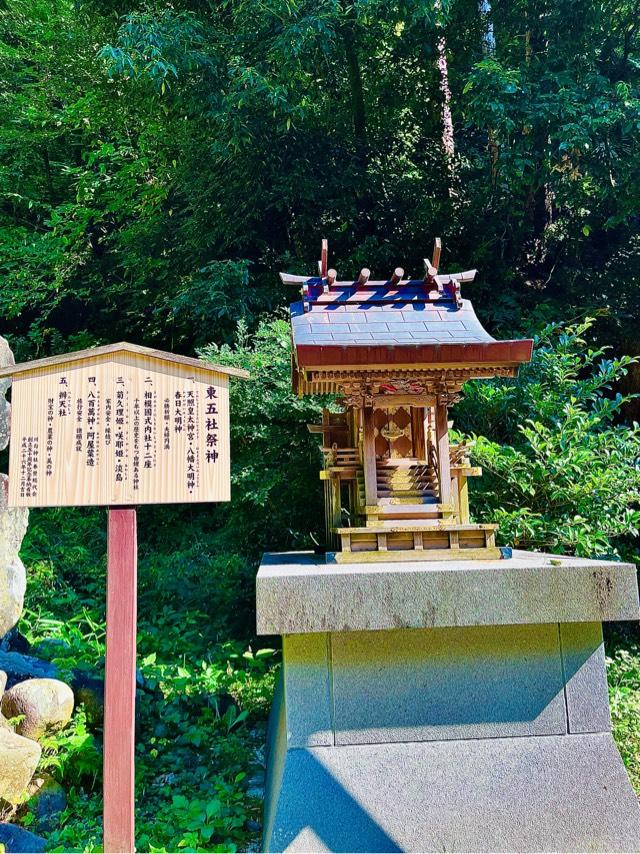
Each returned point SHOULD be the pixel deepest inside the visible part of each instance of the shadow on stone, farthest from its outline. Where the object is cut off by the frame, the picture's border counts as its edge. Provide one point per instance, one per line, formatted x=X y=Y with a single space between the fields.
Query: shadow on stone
x=351 y=828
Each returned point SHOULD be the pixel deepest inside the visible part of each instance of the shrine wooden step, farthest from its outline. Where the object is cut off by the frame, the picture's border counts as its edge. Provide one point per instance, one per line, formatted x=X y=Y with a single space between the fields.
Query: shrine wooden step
x=401 y=507
x=405 y=522
x=402 y=463
x=413 y=492
x=404 y=482
x=402 y=498
x=341 y=456
x=409 y=483
x=406 y=487
x=405 y=477
x=401 y=472
x=445 y=541
x=409 y=522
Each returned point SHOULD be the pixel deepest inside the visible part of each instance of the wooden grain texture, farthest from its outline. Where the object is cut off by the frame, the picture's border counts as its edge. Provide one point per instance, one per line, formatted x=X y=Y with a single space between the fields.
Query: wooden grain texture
x=324 y=257
x=120 y=683
x=471 y=527
x=417 y=431
x=437 y=249
x=113 y=349
x=121 y=429
x=369 y=457
x=416 y=555
x=442 y=443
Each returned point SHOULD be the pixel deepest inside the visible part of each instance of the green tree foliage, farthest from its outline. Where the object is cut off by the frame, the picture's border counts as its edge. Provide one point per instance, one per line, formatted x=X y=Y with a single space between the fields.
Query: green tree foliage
x=143 y=151
x=559 y=473
x=277 y=502
x=159 y=163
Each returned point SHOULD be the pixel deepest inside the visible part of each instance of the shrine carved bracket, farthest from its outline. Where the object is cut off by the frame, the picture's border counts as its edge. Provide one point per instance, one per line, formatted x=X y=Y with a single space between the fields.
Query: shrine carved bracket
x=370 y=388
x=441 y=387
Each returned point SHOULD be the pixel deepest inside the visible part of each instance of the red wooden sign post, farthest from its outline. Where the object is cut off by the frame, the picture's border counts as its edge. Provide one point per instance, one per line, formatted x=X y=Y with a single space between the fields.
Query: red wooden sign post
x=119 y=426
x=120 y=682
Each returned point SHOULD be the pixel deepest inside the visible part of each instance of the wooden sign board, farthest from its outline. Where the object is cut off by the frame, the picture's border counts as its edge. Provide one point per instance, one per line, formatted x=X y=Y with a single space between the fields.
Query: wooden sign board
x=119 y=425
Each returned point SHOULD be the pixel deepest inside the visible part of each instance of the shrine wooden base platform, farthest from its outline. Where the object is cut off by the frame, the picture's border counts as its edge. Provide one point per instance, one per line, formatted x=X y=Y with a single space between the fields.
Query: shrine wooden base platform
x=453 y=705
x=416 y=542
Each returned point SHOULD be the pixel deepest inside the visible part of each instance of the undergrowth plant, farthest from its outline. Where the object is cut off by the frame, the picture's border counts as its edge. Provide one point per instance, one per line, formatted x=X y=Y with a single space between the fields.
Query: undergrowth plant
x=202 y=699
x=561 y=471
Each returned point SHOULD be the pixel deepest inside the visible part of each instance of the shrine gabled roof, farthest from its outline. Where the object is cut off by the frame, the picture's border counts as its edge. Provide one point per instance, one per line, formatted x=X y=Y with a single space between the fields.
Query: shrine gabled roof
x=404 y=326
x=397 y=321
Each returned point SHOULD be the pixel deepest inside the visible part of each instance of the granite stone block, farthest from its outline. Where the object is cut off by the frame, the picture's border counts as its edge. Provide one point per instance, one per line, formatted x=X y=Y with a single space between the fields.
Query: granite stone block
x=558 y=793
x=473 y=682
x=307 y=690
x=300 y=592
x=586 y=677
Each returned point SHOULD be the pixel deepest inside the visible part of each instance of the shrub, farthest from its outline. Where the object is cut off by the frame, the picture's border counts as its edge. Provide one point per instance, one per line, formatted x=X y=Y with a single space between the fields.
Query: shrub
x=561 y=472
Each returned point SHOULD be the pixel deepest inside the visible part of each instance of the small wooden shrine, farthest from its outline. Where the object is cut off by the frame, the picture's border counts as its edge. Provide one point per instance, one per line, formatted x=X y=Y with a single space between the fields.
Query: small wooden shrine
x=397 y=352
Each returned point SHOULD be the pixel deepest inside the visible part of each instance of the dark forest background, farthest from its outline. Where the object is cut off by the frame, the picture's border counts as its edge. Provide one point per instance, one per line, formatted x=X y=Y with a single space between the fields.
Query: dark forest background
x=160 y=162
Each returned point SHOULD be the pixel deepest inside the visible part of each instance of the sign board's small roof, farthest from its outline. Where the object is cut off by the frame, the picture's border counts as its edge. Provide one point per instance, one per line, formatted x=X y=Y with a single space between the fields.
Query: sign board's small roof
x=112 y=350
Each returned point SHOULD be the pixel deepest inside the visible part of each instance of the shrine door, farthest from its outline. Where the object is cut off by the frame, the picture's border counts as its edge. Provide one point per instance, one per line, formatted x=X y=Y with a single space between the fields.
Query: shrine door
x=393 y=433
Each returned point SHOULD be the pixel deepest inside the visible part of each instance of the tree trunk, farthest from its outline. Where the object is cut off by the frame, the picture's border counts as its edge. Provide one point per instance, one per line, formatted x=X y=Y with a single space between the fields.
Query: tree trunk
x=448 y=141
x=357 y=92
x=489 y=49
x=47 y=174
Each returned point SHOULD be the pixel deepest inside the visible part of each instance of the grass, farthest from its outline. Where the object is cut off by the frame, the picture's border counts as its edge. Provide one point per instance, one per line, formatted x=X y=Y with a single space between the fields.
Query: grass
x=202 y=707
x=623 y=672
x=207 y=688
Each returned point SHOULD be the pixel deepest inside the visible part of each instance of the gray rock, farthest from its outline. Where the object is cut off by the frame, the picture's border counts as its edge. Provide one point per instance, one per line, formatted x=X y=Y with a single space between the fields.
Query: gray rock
x=15 y=641
x=3 y=682
x=19 y=667
x=6 y=358
x=17 y=840
x=18 y=760
x=13 y=525
x=5 y=422
x=47 y=706
x=13 y=579
x=13 y=584
x=47 y=802
x=89 y=691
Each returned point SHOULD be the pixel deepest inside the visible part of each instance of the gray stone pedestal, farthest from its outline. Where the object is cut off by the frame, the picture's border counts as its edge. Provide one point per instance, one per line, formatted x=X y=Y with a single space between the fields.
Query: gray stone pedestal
x=445 y=706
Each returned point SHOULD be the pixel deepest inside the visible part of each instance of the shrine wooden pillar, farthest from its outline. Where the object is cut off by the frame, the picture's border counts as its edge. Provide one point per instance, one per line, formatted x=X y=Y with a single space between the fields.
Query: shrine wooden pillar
x=442 y=442
x=369 y=457
x=463 y=499
x=418 y=432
